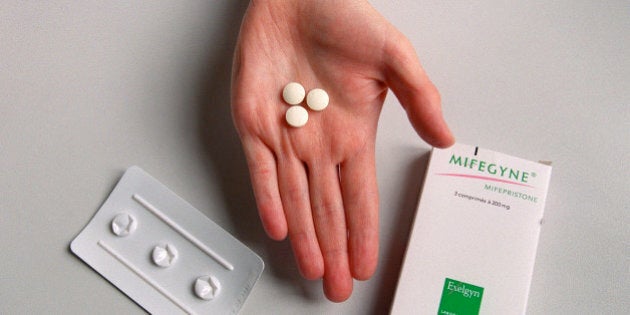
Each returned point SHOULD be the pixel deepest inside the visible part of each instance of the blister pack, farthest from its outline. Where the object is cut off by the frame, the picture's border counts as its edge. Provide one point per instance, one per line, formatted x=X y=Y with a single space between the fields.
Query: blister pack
x=165 y=254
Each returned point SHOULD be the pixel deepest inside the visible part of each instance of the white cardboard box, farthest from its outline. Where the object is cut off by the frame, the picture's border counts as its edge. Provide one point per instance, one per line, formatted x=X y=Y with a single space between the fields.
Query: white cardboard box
x=473 y=243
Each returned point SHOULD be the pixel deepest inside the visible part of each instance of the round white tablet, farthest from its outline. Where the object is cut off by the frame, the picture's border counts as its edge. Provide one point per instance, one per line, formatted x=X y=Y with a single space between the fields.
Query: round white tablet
x=207 y=287
x=317 y=99
x=164 y=255
x=293 y=93
x=297 y=116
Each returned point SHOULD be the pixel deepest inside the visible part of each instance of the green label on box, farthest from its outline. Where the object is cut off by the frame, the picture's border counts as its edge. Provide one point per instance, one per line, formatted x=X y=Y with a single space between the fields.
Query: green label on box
x=460 y=298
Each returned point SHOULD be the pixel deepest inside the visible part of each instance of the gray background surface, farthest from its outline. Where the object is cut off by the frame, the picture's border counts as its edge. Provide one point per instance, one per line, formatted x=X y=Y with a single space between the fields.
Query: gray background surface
x=88 y=88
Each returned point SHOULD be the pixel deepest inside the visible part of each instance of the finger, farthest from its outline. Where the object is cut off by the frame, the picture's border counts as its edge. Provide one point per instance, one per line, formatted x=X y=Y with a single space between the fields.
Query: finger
x=360 y=199
x=295 y=200
x=416 y=93
x=329 y=218
x=263 y=173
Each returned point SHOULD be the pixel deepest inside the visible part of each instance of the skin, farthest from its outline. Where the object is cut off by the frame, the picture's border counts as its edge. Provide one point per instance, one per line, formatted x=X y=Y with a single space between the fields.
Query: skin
x=317 y=184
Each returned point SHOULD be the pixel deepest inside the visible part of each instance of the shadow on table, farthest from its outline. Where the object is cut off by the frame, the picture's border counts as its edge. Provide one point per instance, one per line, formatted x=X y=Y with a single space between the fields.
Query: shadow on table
x=391 y=260
x=226 y=160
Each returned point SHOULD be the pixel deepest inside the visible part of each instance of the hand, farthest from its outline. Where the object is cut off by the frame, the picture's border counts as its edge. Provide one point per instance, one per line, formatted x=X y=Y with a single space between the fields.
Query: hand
x=318 y=182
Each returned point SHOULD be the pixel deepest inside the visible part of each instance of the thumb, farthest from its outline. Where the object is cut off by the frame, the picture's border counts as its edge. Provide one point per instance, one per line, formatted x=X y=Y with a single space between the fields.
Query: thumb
x=417 y=94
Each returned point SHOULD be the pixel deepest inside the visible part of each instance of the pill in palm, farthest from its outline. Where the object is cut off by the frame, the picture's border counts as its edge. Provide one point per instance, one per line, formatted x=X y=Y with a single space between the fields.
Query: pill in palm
x=293 y=93
x=317 y=99
x=297 y=116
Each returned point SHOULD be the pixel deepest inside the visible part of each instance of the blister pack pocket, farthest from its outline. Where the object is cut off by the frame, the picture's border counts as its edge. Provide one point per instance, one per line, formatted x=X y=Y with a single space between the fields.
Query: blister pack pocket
x=165 y=254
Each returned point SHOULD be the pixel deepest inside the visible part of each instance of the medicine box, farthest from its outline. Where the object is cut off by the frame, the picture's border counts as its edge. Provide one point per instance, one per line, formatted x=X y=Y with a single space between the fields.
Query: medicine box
x=473 y=242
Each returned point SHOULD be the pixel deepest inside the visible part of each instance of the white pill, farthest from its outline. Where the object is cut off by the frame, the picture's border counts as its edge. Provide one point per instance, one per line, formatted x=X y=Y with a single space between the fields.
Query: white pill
x=207 y=287
x=124 y=224
x=164 y=255
x=293 y=93
x=317 y=99
x=297 y=116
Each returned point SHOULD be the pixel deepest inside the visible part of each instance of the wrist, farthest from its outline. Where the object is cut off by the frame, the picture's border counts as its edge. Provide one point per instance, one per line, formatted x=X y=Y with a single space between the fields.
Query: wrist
x=276 y=3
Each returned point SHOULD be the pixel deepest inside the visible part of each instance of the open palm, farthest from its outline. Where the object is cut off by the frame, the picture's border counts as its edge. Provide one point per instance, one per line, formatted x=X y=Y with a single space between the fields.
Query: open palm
x=318 y=183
